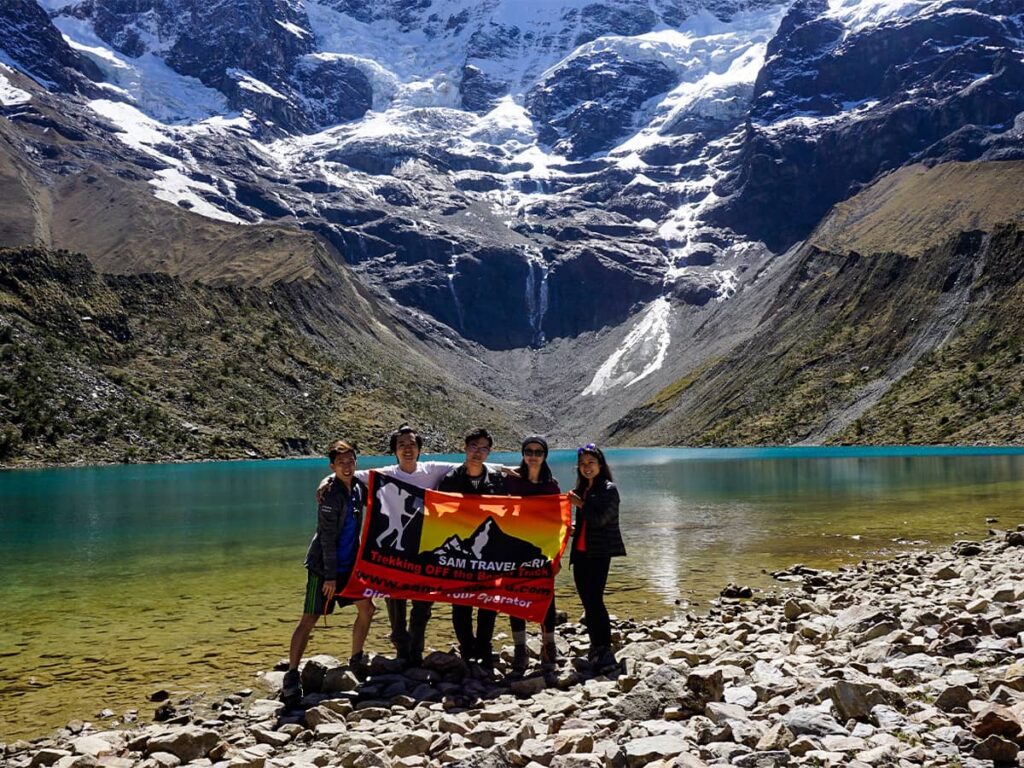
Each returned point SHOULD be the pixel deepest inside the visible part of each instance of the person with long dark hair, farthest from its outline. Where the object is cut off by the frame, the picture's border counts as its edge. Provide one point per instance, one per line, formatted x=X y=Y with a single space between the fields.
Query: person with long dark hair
x=534 y=478
x=596 y=540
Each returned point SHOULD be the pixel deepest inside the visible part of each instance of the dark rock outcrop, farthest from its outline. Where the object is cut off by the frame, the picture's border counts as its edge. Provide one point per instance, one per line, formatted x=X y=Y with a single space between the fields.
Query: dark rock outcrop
x=864 y=105
x=31 y=40
x=590 y=287
x=479 y=91
x=263 y=38
x=332 y=90
x=587 y=103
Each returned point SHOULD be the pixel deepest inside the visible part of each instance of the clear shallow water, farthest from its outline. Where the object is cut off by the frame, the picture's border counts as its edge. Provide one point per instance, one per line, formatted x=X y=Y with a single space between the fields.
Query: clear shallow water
x=117 y=581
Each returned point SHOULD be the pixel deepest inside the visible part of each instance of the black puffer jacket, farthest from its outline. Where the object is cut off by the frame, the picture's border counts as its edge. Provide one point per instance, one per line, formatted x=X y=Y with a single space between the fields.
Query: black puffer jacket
x=332 y=512
x=599 y=519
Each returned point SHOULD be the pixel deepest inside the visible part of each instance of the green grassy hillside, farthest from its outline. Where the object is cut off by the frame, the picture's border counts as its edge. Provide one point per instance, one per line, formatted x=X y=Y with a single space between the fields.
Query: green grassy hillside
x=898 y=321
x=917 y=207
x=971 y=388
x=97 y=367
x=877 y=348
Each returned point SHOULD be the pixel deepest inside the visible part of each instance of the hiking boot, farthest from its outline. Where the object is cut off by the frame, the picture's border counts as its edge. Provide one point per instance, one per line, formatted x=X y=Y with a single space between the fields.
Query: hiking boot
x=582 y=665
x=291 y=689
x=416 y=645
x=486 y=655
x=519 y=660
x=548 y=656
x=403 y=650
x=359 y=665
x=487 y=661
x=604 y=660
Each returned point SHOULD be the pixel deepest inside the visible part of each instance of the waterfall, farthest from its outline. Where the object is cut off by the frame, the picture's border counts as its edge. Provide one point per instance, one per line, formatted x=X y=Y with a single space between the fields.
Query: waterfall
x=537 y=297
x=455 y=296
x=543 y=303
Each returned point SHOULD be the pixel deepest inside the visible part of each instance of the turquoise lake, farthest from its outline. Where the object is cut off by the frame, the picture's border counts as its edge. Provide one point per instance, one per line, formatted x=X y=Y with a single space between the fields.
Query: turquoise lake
x=117 y=581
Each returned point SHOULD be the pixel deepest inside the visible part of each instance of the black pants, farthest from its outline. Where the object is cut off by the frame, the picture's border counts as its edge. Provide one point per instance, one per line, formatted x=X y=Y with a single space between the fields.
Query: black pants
x=462 y=622
x=591 y=576
x=411 y=639
x=519 y=625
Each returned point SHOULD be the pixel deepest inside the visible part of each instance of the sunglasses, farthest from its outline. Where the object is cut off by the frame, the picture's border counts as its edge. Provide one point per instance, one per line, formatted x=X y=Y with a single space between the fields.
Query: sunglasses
x=533 y=452
x=585 y=448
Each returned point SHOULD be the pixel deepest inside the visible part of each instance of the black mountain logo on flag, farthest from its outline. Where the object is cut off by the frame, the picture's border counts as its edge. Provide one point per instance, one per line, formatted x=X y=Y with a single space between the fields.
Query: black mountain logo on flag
x=489 y=542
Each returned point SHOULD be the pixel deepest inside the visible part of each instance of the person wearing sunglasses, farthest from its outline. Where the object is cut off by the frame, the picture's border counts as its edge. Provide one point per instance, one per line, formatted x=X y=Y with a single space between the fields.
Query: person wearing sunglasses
x=474 y=477
x=534 y=478
x=596 y=540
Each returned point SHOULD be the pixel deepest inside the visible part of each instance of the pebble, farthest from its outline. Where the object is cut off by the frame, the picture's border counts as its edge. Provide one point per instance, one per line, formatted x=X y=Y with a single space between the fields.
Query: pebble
x=93 y=746
x=907 y=662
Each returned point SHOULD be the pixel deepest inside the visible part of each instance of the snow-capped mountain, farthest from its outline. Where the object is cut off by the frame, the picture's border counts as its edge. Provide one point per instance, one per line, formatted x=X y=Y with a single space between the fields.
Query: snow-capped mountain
x=514 y=132
x=601 y=176
x=844 y=96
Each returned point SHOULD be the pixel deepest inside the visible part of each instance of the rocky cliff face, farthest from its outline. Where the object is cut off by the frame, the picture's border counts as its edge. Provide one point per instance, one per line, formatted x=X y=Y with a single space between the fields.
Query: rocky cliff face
x=586 y=104
x=34 y=44
x=833 y=108
x=257 y=53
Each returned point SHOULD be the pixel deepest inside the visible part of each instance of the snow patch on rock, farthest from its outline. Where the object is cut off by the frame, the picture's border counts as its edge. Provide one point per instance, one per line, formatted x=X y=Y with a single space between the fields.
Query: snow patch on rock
x=10 y=94
x=295 y=29
x=857 y=15
x=249 y=83
x=139 y=131
x=507 y=123
x=173 y=186
x=146 y=81
x=165 y=143
x=642 y=352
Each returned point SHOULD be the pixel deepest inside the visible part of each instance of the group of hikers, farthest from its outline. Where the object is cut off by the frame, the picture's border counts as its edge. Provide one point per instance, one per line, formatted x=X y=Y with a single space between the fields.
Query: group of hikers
x=342 y=499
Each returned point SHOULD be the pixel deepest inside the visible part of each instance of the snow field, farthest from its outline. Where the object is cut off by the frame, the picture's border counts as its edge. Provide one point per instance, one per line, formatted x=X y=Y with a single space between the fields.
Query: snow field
x=642 y=352
x=11 y=95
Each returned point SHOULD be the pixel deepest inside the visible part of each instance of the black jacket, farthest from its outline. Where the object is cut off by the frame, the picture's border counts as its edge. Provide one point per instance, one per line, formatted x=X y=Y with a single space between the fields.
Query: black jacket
x=322 y=556
x=457 y=481
x=599 y=518
x=520 y=486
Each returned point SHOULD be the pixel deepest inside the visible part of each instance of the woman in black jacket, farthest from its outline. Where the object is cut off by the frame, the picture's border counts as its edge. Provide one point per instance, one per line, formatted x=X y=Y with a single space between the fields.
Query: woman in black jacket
x=596 y=540
x=534 y=478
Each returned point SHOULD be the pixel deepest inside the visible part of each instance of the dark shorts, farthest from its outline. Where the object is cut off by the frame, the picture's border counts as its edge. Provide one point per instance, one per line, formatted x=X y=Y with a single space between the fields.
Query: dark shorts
x=315 y=601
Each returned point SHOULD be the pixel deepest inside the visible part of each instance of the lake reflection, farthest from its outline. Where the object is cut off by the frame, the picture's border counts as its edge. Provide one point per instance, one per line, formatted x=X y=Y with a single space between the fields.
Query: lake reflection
x=702 y=521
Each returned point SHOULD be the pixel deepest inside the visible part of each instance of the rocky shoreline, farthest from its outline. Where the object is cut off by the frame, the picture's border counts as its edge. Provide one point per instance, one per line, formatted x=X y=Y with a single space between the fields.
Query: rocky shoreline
x=914 y=661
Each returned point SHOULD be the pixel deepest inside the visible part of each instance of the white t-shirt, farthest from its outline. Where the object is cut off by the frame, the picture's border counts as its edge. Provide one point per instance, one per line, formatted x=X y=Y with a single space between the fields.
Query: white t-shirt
x=426 y=475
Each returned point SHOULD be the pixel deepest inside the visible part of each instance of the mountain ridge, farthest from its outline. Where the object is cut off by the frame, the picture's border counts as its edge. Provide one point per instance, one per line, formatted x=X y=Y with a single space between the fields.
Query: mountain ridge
x=847 y=335
x=579 y=208
x=149 y=367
